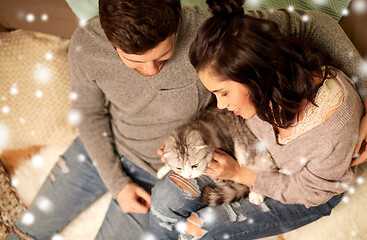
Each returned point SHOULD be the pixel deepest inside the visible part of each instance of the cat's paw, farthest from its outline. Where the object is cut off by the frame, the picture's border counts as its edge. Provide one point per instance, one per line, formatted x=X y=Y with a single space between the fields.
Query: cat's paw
x=256 y=198
x=163 y=171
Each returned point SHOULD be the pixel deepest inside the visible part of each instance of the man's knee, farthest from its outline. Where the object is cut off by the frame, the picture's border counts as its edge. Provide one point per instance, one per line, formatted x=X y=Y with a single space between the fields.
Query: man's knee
x=189 y=186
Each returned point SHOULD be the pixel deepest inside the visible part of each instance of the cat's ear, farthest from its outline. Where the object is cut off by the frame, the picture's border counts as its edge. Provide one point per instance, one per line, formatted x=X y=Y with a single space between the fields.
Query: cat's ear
x=169 y=155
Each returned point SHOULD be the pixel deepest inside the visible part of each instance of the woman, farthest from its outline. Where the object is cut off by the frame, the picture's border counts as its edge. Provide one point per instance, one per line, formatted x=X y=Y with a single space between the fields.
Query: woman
x=305 y=113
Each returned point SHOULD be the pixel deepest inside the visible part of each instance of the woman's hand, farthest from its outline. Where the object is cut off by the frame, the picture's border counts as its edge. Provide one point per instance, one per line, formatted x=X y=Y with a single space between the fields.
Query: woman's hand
x=223 y=166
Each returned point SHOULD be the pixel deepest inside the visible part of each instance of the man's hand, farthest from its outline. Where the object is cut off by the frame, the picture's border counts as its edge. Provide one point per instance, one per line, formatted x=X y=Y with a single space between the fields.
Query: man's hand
x=160 y=150
x=133 y=199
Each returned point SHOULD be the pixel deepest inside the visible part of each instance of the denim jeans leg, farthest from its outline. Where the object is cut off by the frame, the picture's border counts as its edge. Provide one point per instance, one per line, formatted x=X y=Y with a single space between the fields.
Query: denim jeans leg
x=73 y=185
x=239 y=220
x=126 y=226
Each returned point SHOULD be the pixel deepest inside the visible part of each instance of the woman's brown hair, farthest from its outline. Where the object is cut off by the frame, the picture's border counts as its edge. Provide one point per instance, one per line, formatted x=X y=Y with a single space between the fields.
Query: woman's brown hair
x=137 y=26
x=278 y=70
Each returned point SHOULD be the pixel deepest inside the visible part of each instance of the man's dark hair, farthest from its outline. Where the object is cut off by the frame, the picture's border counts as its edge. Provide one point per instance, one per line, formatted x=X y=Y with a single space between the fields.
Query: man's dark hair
x=278 y=70
x=136 y=26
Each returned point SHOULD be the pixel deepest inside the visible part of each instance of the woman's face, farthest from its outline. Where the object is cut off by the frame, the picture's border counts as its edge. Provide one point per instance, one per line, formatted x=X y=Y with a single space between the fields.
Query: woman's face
x=230 y=94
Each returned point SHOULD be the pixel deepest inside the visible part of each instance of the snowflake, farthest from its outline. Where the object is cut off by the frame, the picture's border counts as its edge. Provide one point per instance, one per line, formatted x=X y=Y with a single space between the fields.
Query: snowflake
x=82 y=22
x=30 y=17
x=105 y=134
x=290 y=8
x=319 y=2
x=37 y=161
x=345 y=199
x=345 y=12
x=33 y=133
x=14 y=89
x=42 y=74
x=56 y=237
x=148 y=236
x=208 y=215
x=253 y=3
x=260 y=146
x=6 y=110
x=27 y=219
x=49 y=56
x=5 y=136
x=353 y=233
x=73 y=96
x=15 y=182
x=251 y=221
x=20 y=57
x=81 y=157
x=44 y=17
x=74 y=117
x=360 y=180
x=303 y=160
x=351 y=190
x=181 y=227
x=3 y=98
x=305 y=18
x=226 y=236
x=44 y=204
x=359 y=6
x=39 y=94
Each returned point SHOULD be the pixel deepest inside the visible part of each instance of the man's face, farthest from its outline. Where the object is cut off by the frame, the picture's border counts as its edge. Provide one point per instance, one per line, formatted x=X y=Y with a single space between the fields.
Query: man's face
x=152 y=61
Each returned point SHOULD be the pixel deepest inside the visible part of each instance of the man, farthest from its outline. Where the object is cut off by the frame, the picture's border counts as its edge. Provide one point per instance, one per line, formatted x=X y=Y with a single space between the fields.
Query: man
x=131 y=73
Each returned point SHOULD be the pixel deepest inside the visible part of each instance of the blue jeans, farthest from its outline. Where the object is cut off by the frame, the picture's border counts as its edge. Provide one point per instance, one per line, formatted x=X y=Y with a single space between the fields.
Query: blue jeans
x=241 y=220
x=73 y=189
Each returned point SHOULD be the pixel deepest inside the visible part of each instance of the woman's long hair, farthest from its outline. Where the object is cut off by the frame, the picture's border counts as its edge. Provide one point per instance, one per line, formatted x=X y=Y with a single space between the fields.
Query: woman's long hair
x=277 y=69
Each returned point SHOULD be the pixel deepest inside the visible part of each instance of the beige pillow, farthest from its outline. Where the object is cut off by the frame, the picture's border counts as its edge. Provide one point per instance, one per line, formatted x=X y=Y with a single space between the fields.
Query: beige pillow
x=34 y=90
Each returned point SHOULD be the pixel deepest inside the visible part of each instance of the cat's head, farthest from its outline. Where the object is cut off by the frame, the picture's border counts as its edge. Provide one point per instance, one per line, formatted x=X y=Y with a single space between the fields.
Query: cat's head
x=189 y=153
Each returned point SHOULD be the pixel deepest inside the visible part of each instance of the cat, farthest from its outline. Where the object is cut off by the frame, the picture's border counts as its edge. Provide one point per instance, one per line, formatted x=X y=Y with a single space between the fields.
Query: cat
x=189 y=148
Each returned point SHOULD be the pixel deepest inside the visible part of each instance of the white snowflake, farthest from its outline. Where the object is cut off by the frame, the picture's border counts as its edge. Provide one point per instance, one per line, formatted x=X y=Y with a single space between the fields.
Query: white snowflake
x=56 y=237
x=260 y=146
x=208 y=215
x=5 y=136
x=303 y=160
x=39 y=94
x=37 y=161
x=3 y=98
x=78 y=48
x=27 y=219
x=290 y=8
x=20 y=57
x=81 y=157
x=345 y=199
x=14 y=89
x=319 y=2
x=250 y=220
x=350 y=54
x=253 y=3
x=82 y=22
x=44 y=17
x=30 y=17
x=33 y=133
x=105 y=134
x=353 y=233
x=305 y=18
x=226 y=236
x=49 y=56
x=345 y=12
x=359 y=6
x=73 y=96
x=74 y=117
x=351 y=190
x=6 y=110
x=44 y=204
x=148 y=236
x=181 y=227
x=42 y=74
x=15 y=182
x=360 y=180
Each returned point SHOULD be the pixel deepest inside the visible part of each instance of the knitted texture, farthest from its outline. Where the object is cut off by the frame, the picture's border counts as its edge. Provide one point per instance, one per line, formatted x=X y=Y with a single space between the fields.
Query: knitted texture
x=34 y=91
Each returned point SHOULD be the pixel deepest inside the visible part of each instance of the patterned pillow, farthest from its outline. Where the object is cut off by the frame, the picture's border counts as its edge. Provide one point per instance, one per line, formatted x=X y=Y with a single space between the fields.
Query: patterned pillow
x=34 y=90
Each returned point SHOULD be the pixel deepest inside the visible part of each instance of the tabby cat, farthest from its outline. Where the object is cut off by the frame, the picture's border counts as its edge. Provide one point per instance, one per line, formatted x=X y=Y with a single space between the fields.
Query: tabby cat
x=189 y=148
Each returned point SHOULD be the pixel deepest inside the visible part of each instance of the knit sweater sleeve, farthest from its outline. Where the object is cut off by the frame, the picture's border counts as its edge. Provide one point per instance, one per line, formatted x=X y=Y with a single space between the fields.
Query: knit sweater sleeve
x=94 y=125
x=317 y=182
x=323 y=34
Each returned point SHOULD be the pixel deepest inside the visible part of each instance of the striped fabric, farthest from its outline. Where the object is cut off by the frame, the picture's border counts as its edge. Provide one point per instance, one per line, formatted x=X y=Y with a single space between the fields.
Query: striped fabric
x=334 y=8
